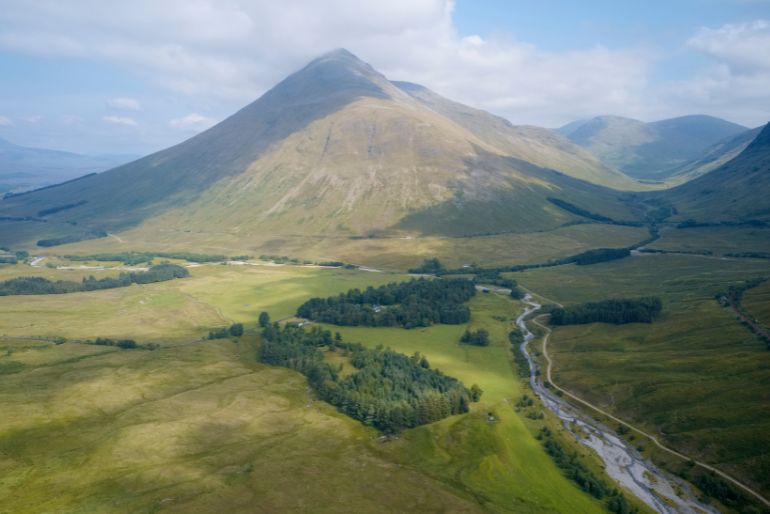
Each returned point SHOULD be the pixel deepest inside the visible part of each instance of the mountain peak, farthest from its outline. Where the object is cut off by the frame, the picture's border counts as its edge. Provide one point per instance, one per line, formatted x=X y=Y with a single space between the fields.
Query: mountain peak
x=339 y=54
x=337 y=74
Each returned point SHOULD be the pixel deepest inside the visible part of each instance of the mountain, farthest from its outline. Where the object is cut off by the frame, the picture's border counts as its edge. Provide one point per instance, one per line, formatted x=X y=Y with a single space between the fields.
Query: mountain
x=23 y=168
x=737 y=191
x=335 y=149
x=715 y=156
x=650 y=151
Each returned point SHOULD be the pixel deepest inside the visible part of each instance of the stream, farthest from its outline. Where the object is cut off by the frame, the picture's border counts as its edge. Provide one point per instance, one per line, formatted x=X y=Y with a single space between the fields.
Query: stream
x=622 y=461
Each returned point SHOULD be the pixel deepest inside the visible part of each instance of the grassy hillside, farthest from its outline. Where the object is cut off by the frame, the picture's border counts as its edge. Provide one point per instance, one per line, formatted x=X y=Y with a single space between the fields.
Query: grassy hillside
x=199 y=426
x=535 y=145
x=650 y=151
x=735 y=192
x=715 y=156
x=697 y=377
x=335 y=150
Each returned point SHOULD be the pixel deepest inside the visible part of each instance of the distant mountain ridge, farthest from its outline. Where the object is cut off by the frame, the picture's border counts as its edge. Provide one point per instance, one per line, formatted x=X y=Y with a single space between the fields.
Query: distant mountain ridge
x=650 y=151
x=735 y=192
x=24 y=168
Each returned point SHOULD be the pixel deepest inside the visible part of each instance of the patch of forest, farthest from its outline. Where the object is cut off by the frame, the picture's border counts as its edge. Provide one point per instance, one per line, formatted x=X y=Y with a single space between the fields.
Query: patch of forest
x=134 y=258
x=41 y=285
x=388 y=390
x=416 y=303
x=733 y=298
x=72 y=238
x=584 y=213
x=616 y=311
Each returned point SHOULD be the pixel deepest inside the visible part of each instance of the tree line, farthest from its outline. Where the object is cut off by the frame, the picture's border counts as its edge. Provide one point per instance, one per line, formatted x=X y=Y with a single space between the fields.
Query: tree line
x=573 y=469
x=416 y=303
x=124 y=344
x=594 y=256
x=95 y=233
x=234 y=330
x=134 y=258
x=388 y=390
x=41 y=285
x=616 y=311
x=478 y=337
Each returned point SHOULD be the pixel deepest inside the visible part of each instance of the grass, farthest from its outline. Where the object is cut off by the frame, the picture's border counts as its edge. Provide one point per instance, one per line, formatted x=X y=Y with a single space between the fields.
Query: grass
x=387 y=253
x=719 y=240
x=696 y=376
x=201 y=427
x=500 y=462
x=757 y=302
x=191 y=429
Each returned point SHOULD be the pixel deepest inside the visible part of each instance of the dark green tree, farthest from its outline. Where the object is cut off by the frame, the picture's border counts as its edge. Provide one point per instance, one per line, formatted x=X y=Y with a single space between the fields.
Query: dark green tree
x=236 y=329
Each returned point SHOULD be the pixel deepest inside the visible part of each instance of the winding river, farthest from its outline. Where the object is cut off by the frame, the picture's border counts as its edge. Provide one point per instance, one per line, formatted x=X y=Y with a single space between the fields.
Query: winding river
x=660 y=490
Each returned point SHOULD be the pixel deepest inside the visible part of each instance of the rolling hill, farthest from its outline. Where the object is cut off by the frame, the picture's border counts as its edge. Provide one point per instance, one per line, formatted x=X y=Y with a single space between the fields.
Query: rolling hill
x=23 y=168
x=650 y=151
x=335 y=149
x=715 y=156
x=736 y=192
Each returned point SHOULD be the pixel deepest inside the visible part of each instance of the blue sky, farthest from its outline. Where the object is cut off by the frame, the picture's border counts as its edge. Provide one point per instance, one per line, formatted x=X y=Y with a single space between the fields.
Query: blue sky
x=131 y=78
x=562 y=25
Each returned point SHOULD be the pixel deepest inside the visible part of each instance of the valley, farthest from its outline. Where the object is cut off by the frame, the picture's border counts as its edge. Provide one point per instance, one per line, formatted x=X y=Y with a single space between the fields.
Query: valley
x=580 y=295
x=197 y=423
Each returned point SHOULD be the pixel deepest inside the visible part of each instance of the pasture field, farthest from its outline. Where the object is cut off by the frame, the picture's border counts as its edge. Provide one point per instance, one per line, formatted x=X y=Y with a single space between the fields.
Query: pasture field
x=718 y=240
x=696 y=376
x=393 y=253
x=199 y=426
x=499 y=460
x=757 y=302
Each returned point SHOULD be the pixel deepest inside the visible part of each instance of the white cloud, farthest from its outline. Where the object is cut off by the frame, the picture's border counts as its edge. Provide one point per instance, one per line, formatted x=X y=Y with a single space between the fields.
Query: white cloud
x=120 y=120
x=124 y=104
x=192 y=121
x=736 y=81
x=235 y=51
x=745 y=47
x=34 y=119
x=5 y=121
x=228 y=53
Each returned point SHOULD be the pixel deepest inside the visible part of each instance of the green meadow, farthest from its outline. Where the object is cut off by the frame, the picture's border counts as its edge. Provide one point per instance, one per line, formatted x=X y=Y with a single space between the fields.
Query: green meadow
x=757 y=302
x=696 y=376
x=717 y=240
x=198 y=426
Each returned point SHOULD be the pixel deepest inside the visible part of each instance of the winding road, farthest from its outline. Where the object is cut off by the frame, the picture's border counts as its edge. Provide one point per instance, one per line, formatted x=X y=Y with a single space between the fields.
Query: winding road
x=663 y=492
x=639 y=431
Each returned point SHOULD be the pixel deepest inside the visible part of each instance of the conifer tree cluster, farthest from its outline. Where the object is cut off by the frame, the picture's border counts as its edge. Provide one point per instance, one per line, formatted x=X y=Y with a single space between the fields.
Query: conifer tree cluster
x=417 y=303
x=388 y=390
x=617 y=311
x=40 y=285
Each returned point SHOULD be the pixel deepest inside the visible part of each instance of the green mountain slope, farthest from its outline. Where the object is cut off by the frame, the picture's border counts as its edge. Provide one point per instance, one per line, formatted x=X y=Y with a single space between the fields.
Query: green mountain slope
x=715 y=156
x=650 y=151
x=735 y=192
x=334 y=149
x=539 y=146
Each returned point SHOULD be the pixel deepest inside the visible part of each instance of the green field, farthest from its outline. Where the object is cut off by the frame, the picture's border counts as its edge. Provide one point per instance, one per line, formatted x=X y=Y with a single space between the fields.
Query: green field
x=718 y=240
x=389 y=253
x=499 y=461
x=696 y=376
x=199 y=426
x=757 y=302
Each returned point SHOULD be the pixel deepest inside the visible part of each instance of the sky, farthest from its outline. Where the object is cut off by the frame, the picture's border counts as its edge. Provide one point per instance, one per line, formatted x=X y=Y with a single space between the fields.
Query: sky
x=135 y=77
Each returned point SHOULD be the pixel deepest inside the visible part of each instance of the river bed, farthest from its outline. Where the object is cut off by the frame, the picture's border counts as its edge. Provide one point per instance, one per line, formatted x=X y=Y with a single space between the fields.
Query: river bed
x=660 y=490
